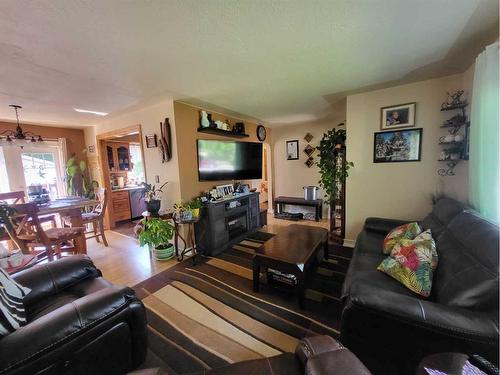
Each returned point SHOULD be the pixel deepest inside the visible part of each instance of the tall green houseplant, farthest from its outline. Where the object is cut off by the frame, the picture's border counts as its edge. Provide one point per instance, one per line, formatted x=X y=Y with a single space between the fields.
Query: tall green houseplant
x=332 y=169
x=77 y=179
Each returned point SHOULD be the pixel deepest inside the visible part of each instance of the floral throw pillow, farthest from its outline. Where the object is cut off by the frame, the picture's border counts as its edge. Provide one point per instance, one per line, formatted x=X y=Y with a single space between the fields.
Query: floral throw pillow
x=412 y=263
x=405 y=231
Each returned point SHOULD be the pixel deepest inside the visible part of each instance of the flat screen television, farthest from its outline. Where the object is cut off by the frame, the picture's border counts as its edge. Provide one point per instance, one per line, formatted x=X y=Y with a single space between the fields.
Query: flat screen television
x=229 y=160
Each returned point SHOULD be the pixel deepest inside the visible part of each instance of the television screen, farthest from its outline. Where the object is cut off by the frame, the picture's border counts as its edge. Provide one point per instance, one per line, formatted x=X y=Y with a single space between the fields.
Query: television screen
x=229 y=160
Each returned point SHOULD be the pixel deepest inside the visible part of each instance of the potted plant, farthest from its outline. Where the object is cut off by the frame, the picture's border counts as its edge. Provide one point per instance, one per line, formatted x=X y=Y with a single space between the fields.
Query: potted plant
x=78 y=181
x=333 y=173
x=194 y=206
x=152 y=197
x=158 y=233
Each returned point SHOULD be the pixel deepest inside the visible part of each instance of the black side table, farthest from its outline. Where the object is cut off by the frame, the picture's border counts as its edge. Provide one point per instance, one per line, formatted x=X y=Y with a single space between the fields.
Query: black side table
x=190 y=237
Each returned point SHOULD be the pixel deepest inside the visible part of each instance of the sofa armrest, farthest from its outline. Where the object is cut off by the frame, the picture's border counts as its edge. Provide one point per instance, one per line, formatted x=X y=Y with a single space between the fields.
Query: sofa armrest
x=382 y=225
x=423 y=326
x=48 y=279
x=314 y=345
x=89 y=317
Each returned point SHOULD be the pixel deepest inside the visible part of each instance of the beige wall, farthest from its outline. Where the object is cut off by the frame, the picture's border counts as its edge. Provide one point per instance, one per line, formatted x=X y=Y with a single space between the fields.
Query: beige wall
x=399 y=190
x=291 y=175
x=149 y=117
x=187 y=123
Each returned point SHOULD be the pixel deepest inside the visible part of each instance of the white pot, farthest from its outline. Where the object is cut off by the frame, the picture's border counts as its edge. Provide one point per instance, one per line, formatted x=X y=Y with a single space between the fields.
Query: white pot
x=16 y=258
x=4 y=252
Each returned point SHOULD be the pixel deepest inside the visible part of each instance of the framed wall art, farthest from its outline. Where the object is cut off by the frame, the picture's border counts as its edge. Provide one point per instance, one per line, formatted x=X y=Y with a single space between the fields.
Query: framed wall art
x=397 y=116
x=292 y=150
x=151 y=141
x=397 y=146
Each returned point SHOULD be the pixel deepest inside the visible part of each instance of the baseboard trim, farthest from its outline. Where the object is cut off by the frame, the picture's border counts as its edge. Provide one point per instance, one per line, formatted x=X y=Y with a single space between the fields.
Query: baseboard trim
x=349 y=243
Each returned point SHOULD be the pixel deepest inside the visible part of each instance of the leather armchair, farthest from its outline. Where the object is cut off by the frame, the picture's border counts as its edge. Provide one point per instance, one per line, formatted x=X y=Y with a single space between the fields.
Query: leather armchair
x=317 y=355
x=78 y=323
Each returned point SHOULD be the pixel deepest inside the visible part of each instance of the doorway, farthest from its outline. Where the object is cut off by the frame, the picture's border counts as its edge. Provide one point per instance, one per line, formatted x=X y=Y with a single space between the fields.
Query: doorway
x=122 y=170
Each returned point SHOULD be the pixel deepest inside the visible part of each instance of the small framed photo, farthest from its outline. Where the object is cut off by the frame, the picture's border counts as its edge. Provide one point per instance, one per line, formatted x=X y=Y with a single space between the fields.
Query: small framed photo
x=397 y=146
x=151 y=141
x=397 y=116
x=292 y=150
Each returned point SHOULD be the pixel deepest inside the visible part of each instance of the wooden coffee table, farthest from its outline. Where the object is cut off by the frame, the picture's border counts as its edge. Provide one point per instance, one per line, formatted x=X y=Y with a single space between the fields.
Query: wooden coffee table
x=292 y=250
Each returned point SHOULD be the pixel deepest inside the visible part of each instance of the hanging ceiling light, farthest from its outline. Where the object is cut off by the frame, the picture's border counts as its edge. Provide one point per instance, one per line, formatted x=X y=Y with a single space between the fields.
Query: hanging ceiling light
x=11 y=136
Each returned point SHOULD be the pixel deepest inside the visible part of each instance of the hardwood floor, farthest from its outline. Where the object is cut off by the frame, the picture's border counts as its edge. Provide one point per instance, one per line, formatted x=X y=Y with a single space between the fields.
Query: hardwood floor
x=124 y=262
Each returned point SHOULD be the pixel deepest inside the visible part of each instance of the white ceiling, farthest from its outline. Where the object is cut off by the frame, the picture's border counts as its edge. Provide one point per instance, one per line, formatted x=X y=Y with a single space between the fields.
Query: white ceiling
x=278 y=61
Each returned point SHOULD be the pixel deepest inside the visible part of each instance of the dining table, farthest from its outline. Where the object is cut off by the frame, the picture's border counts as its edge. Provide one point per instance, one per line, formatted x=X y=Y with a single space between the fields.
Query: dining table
x=70 y=207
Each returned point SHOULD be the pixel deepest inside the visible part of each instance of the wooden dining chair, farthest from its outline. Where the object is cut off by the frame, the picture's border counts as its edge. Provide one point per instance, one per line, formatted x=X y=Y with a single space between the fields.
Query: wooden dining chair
x=96 y=217
x=15 y=197
x=25 y=229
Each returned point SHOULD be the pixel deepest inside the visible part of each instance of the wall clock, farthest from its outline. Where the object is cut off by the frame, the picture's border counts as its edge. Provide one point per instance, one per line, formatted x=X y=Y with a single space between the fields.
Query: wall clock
x=261 y=133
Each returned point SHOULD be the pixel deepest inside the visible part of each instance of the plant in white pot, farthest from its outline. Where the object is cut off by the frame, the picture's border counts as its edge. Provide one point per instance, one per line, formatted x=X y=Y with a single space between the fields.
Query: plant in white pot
x=158 y=233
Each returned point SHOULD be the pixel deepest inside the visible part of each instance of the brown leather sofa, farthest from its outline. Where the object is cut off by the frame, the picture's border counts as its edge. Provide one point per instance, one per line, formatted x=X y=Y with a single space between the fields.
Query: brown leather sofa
x=78 y=323
x=318 y=355
x=382 y=319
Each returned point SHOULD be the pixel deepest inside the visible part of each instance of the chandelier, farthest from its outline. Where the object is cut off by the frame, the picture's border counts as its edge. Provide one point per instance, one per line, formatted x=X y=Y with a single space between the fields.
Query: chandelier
x=11 y=136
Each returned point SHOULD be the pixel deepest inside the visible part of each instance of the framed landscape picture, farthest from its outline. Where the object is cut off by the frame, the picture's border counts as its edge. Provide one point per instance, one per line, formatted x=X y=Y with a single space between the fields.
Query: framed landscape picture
x=397 y=116
x=397 y=146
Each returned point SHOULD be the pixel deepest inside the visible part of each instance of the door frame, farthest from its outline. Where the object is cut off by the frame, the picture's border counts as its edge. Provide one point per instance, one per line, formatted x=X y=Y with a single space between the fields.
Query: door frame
x=101 y=140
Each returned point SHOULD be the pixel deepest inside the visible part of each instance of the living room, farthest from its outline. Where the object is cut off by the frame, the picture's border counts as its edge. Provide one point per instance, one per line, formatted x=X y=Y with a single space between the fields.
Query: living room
x=249 y=187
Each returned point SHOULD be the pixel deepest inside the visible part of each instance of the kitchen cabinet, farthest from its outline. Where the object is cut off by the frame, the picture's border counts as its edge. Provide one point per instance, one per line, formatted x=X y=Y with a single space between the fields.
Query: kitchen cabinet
x=118 y=155
x=121 y=206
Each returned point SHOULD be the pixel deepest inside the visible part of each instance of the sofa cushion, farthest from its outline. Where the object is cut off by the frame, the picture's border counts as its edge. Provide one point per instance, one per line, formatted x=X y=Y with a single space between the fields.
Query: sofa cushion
x=12 y=313
x=467 y=275
x=406 y=231
x=442 y=213
x=412 y=263
x=363 y=266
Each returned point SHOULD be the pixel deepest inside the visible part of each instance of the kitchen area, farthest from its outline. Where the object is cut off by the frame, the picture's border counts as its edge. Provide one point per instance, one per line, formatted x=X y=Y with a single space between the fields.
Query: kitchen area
x=123 y=172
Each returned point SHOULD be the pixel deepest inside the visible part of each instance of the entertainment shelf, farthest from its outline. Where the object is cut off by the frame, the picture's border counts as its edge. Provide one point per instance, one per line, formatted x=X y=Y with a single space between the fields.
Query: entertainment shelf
x=226 y=222
x=225 y=133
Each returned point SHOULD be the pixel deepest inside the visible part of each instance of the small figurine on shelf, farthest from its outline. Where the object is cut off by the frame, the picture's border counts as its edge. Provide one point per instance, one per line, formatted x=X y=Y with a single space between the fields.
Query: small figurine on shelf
x=204 y=119
x=239 y=128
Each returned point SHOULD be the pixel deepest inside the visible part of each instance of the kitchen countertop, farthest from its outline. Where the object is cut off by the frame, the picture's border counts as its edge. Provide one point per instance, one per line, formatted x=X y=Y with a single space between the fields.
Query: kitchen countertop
x=128 y=188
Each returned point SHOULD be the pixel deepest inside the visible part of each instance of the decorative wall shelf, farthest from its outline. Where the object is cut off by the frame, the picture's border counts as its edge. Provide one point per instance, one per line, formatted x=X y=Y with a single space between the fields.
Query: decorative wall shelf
x=224 y=133
x=453 y=126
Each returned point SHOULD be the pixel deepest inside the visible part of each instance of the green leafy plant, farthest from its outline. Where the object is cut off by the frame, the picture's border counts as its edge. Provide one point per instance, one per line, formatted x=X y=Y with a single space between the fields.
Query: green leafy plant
x=77 y=179
x=157 y=233
x=331 y=170
x=151 y=193
x=194 y=204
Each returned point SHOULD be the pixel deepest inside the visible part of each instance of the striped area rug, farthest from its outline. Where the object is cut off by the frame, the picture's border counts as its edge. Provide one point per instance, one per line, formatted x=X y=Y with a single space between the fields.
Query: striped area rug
x=207 y=316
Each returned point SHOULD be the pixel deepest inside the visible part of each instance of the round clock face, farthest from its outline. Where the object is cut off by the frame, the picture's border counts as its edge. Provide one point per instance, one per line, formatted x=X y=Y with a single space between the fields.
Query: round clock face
x=261 y=133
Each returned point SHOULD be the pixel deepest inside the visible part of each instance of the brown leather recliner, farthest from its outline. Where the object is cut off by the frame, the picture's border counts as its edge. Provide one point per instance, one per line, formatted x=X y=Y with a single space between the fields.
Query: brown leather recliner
x=78 y=323
x=318 y=355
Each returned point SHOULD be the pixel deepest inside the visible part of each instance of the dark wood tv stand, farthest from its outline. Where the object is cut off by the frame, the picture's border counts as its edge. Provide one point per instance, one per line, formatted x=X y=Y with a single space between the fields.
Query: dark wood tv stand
x=226 y=222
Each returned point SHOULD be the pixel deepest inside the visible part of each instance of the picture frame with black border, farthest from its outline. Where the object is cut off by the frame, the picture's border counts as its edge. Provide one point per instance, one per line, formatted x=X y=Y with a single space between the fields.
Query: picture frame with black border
x=397 y=146
x=151 y=140
x=292 y=150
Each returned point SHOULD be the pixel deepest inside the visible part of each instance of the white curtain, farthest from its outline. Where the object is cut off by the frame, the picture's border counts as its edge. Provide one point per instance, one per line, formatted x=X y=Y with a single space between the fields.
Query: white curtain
x=484 y=135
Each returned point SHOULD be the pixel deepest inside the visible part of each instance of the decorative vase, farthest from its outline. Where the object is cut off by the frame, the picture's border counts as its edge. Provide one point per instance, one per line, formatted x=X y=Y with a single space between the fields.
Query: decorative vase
x=204 y=120
x=195 y=212
x=153 y=207
x=187 y=215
